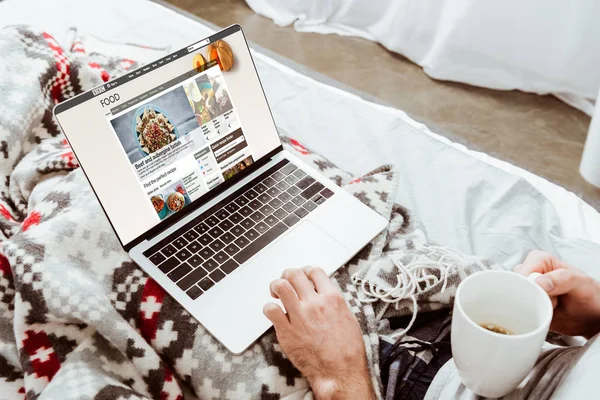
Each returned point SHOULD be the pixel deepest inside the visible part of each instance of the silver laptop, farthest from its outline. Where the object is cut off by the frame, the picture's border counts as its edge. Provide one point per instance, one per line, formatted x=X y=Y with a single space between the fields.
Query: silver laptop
x=185 y=159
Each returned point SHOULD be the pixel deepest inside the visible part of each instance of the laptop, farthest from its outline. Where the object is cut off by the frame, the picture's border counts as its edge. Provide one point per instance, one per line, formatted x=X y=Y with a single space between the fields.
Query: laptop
x=184 y=157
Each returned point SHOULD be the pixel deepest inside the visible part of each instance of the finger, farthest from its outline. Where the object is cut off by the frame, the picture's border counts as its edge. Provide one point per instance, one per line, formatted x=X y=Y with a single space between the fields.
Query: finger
x=286 y=293
x=554 y=301
x=300 y=282
x=319 y=279
x=558 y=282
x=539 y=261
x=276 y=315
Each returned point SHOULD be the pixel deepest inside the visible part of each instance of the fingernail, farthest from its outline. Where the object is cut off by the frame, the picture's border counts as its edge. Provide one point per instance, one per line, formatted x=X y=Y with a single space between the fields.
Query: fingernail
x=546 y=283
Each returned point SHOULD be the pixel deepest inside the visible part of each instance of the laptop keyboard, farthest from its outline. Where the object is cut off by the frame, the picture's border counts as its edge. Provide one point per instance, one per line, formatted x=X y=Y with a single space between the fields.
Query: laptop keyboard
x=206 y=250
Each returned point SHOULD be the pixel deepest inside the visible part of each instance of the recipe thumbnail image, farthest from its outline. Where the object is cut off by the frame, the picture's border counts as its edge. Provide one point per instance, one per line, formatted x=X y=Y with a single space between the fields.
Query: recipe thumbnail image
x=155 y=124
x=170 y=200
x=202 y=98
x=237 y=167
x=221 y=94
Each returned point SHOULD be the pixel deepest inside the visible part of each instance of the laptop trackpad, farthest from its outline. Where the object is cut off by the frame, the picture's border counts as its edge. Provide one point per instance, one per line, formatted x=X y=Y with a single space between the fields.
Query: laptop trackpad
x=243 y=294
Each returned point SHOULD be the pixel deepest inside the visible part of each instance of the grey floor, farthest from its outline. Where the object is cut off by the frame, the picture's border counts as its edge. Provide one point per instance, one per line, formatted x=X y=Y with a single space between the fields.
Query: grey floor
x=537 y=133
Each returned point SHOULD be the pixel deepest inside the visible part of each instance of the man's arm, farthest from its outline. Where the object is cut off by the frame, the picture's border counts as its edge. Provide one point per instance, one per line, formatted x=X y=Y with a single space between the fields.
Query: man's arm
x=320 y=335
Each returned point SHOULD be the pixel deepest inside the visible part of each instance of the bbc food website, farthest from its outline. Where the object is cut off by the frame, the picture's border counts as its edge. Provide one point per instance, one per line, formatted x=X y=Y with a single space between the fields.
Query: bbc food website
x=183 y=141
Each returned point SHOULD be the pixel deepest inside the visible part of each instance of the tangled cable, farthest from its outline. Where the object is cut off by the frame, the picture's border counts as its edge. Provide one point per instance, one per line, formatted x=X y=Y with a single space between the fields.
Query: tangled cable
x=416 y=277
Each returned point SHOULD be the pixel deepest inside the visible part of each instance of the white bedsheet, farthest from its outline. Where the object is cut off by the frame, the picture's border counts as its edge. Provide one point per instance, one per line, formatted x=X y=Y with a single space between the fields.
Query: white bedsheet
x=465 y=199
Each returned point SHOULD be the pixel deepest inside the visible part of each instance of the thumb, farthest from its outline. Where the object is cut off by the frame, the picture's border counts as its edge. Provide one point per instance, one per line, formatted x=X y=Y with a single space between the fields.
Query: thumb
x=558 y=282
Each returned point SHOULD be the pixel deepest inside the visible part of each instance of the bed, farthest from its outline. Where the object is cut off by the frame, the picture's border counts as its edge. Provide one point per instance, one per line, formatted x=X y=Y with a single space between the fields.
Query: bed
x=70 y=288
x=465 y=199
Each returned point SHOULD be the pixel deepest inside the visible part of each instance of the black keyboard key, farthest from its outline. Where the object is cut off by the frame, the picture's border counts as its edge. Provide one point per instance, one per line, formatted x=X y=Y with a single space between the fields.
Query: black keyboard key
x=246 y=211
x=293 y=191
x=280 y=213
x=179 y=272
x=210 y=265
x=194 y=292
x=266 y=209
x=291 y=179
x=301 y=212
x=251 y=234
x=309 y=205
x=192 y=278
x=327 y=193
x=169 y=265
x=282 y=186
x=275 y=203
x=268 y=182
x=216 y=232
x=241 y=242
x=205 y=239
x=255 y=204
x=257 y=217
x=206 y=284
x=278 y=176
x=229 y=266
x=179 y=243
x=168 y=250
x=259 y=244
x=231 y=249
x=261 y=227
x=220 y=257
x=291 y=219
x=305 y=182
x=211 y=221
x=190 y=235
x=183 y=254
x=271 y=220
x=299 y=174
x=157 y=258
x=227 y=237
x=216 y=245
x=289 y=207
x=259 y=188
x=264 y=198
x=285 y=197
x=298 y=200
x=201 y=228
x=232 y=207
x=251 y=194
x=194 y=247
x=318 y=199
x=241 y=201
x=247 y=223
x=273 y=192
x=194 y=260
x=237 y=230
x=312 y=190
x=226 y=225
x=222 y=214
x=206 y=253
x=216 y=275
x=288 y=169
x=235 y=218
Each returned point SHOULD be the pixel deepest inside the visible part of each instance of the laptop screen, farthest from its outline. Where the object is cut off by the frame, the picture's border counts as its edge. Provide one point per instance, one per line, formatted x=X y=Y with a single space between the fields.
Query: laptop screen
x=163 y=136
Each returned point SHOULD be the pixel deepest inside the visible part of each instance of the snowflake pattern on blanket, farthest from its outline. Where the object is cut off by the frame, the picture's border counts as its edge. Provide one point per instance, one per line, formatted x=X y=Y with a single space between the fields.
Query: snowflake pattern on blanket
x=79 y=319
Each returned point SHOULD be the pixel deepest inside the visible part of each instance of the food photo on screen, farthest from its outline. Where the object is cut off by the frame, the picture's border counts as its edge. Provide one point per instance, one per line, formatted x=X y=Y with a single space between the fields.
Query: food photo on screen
x=155 y=124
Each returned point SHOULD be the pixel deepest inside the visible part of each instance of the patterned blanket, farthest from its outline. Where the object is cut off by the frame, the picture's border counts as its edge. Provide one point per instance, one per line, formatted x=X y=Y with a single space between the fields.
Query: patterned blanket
x=79 y=319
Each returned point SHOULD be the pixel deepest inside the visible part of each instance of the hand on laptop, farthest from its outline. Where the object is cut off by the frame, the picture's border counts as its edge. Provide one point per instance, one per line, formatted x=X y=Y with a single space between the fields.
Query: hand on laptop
x=575 y=295
x=320 y=335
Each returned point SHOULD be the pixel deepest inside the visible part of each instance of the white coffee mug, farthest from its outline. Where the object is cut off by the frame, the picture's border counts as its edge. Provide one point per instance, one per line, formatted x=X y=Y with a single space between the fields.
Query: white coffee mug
x=492 y=364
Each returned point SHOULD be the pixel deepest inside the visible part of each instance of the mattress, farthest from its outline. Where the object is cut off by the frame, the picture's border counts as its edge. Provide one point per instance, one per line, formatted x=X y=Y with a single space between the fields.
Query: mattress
x=464 y=199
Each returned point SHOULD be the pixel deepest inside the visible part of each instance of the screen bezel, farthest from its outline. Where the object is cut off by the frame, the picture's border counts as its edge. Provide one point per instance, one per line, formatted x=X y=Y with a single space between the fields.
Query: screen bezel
x=211 y=194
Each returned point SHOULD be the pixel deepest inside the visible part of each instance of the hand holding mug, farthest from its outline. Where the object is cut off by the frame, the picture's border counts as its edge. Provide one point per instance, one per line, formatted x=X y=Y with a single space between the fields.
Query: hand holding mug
x=575 y=295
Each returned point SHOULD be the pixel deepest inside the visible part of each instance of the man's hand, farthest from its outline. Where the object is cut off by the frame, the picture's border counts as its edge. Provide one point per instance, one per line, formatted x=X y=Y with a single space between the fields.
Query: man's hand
x=320 y=335
x=575 y=295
